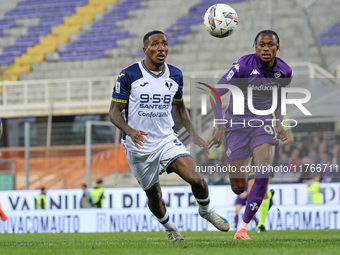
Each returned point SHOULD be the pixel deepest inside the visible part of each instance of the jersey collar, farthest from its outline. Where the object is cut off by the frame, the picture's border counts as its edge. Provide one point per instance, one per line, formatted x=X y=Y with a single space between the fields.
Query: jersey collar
x=151 y=73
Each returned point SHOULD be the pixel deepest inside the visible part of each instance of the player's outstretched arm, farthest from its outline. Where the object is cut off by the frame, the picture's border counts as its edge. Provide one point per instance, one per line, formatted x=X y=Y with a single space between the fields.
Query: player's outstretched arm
x=182 y=114
x=117 y=119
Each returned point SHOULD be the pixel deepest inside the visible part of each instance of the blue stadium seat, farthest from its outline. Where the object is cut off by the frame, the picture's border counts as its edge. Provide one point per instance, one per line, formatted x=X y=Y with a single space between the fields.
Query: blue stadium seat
x=106 y=36
x=26 y=41
x=126 y=6
x=51 y=21
x=38 y=30
x=173 y=41
x=90 y=46
x=80 y=55
x=189 y=20
x=5 y=24
x=178 y=30
x=115 y=16
x=13 y=50
x=331 y=36
x=106 y=26
x=31 y=5
x=6 y=60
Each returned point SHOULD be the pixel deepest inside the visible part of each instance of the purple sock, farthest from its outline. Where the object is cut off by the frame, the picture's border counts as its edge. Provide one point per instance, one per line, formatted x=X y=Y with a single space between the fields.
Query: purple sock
x=236 y=220
x=256 y=195
x=238 y=191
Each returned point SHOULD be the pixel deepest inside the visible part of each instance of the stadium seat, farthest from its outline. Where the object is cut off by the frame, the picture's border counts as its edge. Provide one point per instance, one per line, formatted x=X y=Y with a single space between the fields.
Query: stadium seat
x=331 y=36
x=38 y=30
x=13 y=50
x=5 y=24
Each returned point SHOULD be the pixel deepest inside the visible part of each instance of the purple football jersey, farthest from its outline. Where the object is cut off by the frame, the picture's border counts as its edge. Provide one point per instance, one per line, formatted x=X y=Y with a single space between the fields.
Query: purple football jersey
x=248 y=72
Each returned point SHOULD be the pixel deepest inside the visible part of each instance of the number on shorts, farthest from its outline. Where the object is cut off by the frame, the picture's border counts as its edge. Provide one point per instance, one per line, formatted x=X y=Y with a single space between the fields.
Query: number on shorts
x=270 y=130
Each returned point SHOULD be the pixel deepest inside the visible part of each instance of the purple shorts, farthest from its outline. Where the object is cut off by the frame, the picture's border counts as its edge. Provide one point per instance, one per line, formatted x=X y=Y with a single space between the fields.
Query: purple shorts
x=239 y=143
x=240 y=201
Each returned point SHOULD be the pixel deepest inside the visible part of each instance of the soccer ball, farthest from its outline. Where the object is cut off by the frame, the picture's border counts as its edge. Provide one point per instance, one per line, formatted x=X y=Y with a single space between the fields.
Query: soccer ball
x=220 y=20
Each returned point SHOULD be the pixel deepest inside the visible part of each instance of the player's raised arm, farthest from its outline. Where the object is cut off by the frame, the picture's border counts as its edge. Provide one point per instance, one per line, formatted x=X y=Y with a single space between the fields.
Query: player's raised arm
x=182 y=114
x=117 y=119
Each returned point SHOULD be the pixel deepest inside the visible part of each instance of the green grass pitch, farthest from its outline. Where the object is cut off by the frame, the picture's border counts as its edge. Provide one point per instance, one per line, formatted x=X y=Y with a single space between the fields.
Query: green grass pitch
x=311 y=242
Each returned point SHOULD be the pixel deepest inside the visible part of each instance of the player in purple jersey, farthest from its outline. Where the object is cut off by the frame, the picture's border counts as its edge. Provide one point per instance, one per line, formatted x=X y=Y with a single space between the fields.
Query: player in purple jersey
x=262 y=72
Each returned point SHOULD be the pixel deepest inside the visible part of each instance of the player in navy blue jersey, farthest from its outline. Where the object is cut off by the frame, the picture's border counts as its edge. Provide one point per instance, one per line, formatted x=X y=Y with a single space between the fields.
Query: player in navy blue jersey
x=150 y=91
x=262 y=72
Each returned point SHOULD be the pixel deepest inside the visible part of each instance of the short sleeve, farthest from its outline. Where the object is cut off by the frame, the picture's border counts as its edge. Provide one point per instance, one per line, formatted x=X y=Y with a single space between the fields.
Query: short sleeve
x=121 y=90
x=179 y=94
x=177 y=76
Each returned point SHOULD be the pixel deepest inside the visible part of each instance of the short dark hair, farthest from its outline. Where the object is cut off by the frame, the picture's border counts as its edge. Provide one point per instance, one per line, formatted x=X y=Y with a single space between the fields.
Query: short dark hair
x=146 y=37
x=100 y=181
x=266 y=32
x=42 y=189
x=84 y=186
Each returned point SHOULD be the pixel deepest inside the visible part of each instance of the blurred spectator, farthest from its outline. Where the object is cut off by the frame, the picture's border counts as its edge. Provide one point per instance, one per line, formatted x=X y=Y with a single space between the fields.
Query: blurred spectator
x=305 y=170
x=287 y=149
x=313 y=156
x=56 y=55
x=221 y=159
x=327 y=172
x=216 y=179
x=295 y=161
x=320 y=136
x=335 y=155
x=314 y=192
x=215 y=151
x=325 y=158
x=316 y=142
x=42 y=201
x=309 y=141
x=284 y=159
x=323 y=147
x=97 y=195
x=204 y=161
x=302 y=148
x=85 y=201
